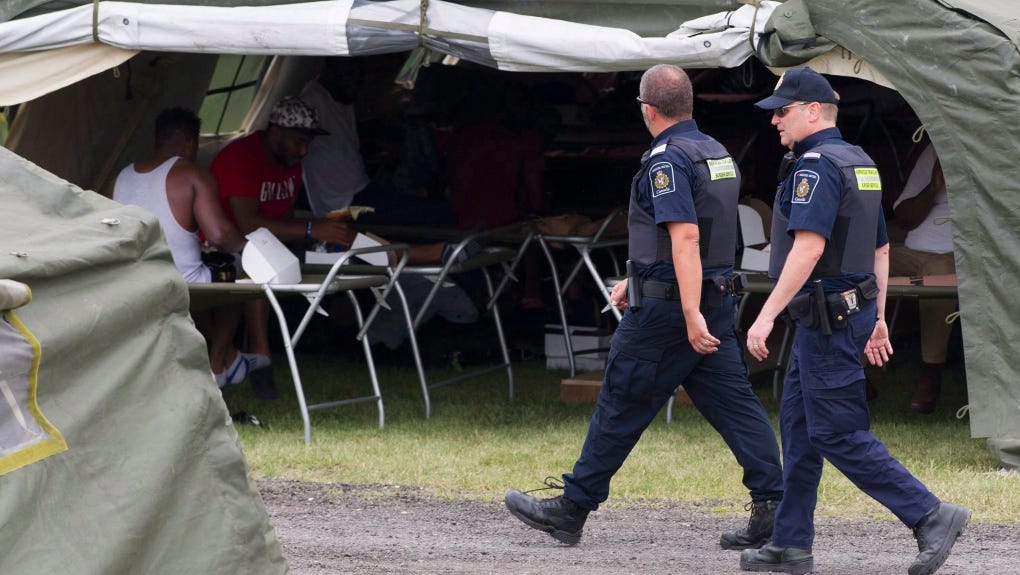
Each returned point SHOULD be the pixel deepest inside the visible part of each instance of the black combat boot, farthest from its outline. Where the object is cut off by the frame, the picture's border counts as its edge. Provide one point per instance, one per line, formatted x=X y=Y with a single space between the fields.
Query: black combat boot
x=758 y=530
x=778 y=559
x=558 y=516
x=936 y=533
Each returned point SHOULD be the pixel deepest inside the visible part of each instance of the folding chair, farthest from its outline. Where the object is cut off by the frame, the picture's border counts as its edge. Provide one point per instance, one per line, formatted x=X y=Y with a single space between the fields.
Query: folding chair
x=490 y=257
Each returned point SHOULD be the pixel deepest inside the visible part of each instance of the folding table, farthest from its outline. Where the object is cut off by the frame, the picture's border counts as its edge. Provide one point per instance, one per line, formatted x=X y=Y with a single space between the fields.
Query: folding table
x=341 y=277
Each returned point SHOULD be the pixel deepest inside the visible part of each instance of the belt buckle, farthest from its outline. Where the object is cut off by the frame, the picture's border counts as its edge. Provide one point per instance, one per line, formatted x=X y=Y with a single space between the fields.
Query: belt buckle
x=851 y=299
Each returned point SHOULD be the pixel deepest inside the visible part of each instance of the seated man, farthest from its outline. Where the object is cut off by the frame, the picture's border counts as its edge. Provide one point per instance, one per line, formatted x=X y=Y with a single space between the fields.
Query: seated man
x=334 y=171
x=923 y=210
x=185 y=199
x=259 y=177
x=495 y=166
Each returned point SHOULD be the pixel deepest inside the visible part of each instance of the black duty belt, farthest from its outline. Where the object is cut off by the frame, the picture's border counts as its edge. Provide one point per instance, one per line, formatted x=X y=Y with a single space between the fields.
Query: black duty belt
x=712 y=290
x=660 y=290
x=831 y=310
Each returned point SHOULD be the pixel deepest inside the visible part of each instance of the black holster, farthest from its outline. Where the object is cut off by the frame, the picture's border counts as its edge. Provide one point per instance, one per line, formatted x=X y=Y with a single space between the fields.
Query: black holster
x=633 y=288
x=821 y=309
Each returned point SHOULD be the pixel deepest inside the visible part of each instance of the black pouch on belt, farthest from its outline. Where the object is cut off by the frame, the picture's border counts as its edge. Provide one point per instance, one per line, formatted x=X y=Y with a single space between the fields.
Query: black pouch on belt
x=839 y=309
x=868 y=289
x=712 y=291
x=802 y=309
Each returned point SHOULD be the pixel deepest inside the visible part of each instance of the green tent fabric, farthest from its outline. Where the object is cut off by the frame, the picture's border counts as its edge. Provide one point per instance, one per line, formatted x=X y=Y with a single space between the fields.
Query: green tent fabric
x=957 y=65
x=152 y=478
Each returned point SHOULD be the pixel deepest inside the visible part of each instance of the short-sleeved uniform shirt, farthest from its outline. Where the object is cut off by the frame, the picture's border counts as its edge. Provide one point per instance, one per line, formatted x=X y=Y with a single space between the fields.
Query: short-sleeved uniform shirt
x=666 y=188
x=243 y=170
x=811 y=199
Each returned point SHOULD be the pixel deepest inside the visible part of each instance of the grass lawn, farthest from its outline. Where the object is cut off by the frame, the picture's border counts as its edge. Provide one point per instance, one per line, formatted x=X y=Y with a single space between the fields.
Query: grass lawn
x=478 y=444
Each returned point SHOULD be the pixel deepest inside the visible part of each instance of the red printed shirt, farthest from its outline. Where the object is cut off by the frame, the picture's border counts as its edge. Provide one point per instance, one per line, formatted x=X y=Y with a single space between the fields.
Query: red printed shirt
x=243 y=170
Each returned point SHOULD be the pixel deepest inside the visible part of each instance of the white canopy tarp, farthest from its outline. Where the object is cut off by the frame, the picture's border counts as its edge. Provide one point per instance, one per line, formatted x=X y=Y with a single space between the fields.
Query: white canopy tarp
x=354 y=27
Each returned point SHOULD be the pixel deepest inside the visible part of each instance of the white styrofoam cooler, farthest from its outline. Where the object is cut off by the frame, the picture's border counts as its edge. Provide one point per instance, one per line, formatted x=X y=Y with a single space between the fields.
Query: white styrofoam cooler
x=581 y=338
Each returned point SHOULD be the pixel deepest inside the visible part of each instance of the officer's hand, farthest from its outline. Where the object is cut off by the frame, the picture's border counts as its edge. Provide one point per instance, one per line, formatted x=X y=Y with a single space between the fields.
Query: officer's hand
x=618 y=297
x=333 y=232
x=701 y=339
x=756 y=337
x=879 y=347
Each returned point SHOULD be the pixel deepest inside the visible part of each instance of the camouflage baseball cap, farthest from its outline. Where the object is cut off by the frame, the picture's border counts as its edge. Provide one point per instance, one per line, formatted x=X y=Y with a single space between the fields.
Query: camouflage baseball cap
x=294 y=114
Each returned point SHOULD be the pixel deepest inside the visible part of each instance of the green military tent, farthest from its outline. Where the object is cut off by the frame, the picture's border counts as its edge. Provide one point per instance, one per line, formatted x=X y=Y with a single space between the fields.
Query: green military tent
x=151 y=479
x=117 y=454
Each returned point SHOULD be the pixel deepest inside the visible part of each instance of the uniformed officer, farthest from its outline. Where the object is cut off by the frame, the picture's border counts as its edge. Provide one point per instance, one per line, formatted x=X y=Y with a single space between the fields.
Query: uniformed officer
x=830 y=253
x=682 y=241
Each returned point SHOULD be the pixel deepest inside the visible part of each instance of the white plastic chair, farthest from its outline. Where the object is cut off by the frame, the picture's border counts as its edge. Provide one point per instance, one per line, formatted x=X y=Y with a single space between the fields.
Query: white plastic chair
x=755 y=256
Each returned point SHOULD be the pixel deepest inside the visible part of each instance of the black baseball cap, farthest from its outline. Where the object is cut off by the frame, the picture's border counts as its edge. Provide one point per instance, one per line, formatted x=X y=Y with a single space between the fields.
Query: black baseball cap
x=799 y=85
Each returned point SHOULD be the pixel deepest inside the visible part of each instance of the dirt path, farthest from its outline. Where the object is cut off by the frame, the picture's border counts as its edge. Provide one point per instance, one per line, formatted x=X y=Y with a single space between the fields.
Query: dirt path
x=372 y=529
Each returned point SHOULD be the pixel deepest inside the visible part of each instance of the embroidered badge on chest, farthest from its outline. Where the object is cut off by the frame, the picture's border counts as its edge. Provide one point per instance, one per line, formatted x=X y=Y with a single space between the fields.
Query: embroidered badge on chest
x=661 y=175
x=804 y=184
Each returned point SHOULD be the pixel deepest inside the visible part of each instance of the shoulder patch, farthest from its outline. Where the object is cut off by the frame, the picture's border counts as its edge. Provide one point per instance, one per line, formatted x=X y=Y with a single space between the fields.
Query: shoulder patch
x=868 y=179
x=660 y=175
x=804 y=184
x=657 y=150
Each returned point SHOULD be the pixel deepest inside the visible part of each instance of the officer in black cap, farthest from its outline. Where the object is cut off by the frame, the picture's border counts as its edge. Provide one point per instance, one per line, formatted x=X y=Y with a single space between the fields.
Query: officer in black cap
x=682 y=241
x=830 y=255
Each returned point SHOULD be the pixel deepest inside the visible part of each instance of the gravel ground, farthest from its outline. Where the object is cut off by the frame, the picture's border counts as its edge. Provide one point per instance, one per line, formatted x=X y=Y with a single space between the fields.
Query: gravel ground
x=382 y=529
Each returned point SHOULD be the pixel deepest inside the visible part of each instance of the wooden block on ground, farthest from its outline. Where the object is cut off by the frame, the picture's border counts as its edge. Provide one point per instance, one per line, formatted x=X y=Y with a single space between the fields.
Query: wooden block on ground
x=581 y=388
x=584 y=387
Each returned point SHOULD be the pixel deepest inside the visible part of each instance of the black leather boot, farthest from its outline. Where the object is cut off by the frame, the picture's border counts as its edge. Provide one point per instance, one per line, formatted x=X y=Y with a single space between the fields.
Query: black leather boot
x=936 y=534
x=558 y=516
x=778 y=559
x=758 y=530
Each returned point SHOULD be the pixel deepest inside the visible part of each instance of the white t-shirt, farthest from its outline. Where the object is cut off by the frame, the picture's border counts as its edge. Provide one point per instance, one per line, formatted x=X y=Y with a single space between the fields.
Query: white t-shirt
x=935 y=233
x=333 y=169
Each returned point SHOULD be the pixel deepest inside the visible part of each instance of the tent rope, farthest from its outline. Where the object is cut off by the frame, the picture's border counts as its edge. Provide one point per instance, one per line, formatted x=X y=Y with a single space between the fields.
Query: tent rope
x=754 y=20
x=423 y=24
x=95 y=20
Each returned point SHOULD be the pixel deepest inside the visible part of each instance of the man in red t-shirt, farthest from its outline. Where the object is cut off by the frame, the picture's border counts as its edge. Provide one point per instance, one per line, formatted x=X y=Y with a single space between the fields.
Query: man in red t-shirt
x=259 y=176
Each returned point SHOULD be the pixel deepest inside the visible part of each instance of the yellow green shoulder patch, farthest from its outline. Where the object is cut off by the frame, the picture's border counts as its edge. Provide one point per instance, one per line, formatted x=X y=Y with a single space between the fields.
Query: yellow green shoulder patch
x=722 y=169
x=868 y=179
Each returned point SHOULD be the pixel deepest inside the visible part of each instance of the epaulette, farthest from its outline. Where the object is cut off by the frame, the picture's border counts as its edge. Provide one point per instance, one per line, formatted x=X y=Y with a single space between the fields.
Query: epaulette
x=657 y=150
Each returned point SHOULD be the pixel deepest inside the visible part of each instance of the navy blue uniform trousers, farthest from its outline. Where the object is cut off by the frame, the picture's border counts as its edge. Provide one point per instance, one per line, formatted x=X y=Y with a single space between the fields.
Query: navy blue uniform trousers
x=824 y=415
x=649 y=358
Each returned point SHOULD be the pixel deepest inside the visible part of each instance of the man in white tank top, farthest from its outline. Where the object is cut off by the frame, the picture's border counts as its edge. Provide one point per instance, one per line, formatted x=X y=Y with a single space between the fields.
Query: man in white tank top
x=185 y=199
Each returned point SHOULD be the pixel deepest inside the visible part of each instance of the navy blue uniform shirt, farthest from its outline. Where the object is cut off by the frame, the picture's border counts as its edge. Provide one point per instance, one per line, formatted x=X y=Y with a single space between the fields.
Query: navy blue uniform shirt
x=674 y=203
x=818 y=210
